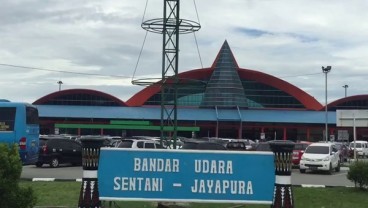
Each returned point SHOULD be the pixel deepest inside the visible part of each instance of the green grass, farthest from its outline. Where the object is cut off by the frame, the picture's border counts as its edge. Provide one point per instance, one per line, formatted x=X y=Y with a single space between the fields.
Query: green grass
x=66 y=194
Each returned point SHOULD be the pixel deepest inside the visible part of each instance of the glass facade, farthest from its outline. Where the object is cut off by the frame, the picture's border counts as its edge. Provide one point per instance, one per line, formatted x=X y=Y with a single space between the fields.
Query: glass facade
x=224 y=89
x=260 y=95
x=82 y=99
x=353 y=105
x=189 y=94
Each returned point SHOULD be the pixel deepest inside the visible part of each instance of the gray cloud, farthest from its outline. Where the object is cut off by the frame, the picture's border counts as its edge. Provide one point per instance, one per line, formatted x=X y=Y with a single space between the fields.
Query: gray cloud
x=287 y=39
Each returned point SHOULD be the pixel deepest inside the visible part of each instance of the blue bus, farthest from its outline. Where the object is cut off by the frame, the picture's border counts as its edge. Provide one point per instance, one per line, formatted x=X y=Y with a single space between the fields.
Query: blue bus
x=19 y=124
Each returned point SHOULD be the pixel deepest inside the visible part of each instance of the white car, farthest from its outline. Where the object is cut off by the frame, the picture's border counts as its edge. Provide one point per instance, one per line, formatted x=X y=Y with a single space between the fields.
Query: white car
x=361 y=148
x=320 y=156
x=139 y=144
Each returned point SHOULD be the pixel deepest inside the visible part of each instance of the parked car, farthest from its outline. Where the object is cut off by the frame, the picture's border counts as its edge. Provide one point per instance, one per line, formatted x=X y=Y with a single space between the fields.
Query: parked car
x=202 y=145
x=361 y=148
x=298 y=151
x=265 y=146
x=320 y=156
x=344 y=151
x=140 y=143
x=115 y=143
x=58 y=150
x=240 y=144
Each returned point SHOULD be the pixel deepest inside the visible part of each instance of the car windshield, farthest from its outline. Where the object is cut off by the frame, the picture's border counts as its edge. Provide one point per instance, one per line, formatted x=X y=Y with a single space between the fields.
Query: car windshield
x=300 y=146
x=318 y=150
x=126 y=144
x=357 y=145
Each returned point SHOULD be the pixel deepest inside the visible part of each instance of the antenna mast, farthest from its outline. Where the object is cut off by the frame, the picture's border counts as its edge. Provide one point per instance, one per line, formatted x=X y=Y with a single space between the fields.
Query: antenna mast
x=170 y=26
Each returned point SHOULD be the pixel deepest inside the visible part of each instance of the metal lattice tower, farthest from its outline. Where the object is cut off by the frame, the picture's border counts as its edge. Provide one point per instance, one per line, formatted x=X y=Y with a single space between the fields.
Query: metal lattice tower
x=170 y=26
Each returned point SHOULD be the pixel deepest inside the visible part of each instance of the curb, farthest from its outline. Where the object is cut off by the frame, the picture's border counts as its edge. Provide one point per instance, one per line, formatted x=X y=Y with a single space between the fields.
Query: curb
x=50 y=179
x=344 y=168
x=320 y=186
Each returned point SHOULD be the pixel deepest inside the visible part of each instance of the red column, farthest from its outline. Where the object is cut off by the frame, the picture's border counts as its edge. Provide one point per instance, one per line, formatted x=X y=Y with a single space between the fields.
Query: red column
x=308 y=134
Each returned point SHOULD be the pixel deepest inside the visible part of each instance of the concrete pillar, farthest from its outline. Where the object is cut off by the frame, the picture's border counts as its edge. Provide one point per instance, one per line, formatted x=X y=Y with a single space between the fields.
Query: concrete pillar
x=89 y=194
x=283 y=193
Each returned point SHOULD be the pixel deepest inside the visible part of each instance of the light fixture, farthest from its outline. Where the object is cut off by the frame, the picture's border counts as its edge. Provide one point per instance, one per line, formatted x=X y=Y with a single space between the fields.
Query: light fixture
x=325 y=70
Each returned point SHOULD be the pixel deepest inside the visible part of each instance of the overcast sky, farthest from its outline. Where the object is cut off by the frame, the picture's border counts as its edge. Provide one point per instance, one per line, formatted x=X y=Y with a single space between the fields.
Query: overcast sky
x=291 y=40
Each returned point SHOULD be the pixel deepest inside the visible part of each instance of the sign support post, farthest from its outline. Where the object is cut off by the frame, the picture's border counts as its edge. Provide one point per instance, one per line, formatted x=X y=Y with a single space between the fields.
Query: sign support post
x=89 y=194
x=283 y=193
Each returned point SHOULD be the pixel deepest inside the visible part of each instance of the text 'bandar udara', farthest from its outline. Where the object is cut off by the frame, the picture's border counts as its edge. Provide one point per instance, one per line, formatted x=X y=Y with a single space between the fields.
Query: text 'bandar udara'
x=173 y=165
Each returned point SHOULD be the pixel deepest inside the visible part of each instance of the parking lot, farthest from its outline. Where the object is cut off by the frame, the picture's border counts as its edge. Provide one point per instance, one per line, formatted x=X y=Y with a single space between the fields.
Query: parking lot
x=66 y=172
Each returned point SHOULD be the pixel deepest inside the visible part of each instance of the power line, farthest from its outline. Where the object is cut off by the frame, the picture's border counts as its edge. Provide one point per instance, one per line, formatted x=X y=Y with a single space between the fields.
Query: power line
x=300 y=75
x=113 y=76
x=66 y=72
x=195 y=37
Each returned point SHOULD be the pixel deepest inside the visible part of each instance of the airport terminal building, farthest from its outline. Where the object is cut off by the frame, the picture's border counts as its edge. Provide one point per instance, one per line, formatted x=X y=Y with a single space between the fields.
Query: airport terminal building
x=223 y=100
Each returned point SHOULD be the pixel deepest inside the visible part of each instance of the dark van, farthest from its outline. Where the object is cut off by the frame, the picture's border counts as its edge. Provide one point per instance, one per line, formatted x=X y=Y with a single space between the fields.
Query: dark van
x=57 y=150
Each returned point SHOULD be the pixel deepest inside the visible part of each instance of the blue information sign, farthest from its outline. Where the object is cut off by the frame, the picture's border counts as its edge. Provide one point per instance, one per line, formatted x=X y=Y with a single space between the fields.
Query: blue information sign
x=185 y=175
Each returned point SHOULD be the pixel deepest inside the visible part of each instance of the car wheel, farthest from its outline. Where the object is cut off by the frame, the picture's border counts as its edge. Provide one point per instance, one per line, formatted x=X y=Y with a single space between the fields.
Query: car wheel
x=302 y=170
x=337 y=169
x=39 y=164
x=54 y=163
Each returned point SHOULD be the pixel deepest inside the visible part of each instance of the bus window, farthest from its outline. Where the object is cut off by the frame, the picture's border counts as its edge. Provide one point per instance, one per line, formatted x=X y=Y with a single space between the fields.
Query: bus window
x=7 y=118
x=31 y=115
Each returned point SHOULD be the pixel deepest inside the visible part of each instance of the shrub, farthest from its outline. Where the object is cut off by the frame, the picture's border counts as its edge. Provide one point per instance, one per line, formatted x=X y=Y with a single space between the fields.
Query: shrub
x=11 y=194
x=358 y=173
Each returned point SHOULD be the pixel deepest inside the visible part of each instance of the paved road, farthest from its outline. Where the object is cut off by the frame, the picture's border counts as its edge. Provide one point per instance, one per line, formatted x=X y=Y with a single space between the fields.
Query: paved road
x=63 y=172
x=321 y=178
x=72 y=173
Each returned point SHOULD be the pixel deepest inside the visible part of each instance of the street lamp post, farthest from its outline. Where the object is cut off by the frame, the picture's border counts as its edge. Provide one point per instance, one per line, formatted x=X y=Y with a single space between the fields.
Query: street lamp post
x=325 y=70
x=60 y=83
x=346 y=89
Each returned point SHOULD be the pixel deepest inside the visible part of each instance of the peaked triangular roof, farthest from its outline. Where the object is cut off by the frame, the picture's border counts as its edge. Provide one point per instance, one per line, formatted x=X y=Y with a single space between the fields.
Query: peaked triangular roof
x=224 y=89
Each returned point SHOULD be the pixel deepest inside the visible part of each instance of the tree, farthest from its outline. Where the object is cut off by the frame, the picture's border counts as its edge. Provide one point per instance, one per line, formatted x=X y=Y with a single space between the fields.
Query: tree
x=11 y=194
